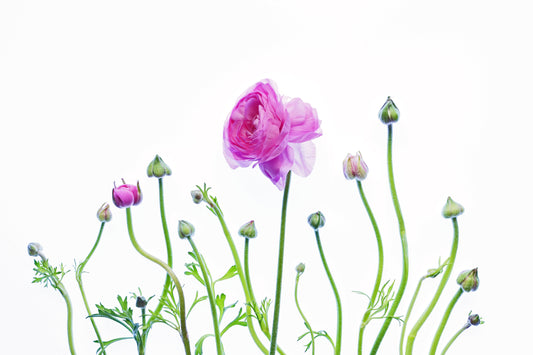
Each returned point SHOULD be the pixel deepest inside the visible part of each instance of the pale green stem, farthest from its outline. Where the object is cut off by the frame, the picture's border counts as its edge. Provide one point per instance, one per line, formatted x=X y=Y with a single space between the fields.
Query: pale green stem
x=409 y=310
x=444 y=320
x=412 y=335
x=168 y=269
x=306 y=322
x=455 y=336
x=335 y=292
x=210 y=294
x=263 y=322
x=377 y=283
x=277 y=302
x=79 y=273
x=405 y=256
x=61 y=288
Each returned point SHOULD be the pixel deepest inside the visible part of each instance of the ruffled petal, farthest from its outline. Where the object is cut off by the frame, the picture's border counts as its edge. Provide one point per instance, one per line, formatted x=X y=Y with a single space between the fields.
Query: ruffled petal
x=304 y=158
x=305 y=124
x=276 y=169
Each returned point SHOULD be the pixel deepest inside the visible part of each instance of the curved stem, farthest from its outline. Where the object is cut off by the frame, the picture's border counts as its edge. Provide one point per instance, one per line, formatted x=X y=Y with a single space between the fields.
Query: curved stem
x=455 y=336
x=337 y=297
x=277 y=302
x=306 y=322
x=166 y=286
x=79 y=272
x=263 y=322
x=444 y=320
x=408 y=314
x=440 y=288
x=210 y=295
x=66 y=297
x=379 y=275
x=405 y=256
x=183 y=313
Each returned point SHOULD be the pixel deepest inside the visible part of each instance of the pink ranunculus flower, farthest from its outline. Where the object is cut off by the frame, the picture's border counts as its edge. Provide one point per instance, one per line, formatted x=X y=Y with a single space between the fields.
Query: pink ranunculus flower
x=127 y=195
x=273 y=132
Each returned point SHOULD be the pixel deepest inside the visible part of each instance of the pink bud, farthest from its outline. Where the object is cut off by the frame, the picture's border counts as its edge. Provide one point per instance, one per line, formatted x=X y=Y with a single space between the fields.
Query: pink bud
x=355 y=167
x=127 y=195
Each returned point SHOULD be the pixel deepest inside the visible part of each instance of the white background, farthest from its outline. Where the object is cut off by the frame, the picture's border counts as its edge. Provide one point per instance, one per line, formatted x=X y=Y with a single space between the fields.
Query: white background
x=91 y=91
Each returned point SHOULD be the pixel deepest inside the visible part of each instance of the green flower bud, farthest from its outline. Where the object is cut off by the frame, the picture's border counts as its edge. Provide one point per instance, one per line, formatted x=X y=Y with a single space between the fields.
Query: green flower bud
x=474 y=319
x=389 y=113
x=185 y=229
x=300 y=268
x=468 y=280
x=158 y=168
x=197 y=196
x=104 y=213
x=452 y=209
x=316 y=220
x=34 y=249
x=141 y=302
x=248 y=230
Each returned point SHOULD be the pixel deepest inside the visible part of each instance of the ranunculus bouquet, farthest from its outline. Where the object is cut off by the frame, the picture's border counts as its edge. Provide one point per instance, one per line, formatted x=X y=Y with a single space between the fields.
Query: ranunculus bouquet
x=275 y=133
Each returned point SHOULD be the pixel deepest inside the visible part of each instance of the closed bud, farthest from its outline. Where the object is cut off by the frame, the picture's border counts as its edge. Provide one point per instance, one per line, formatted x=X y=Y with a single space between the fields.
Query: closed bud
x=468 y=280
x=300 y=268
x=185 y=229
x=158 y=168
x=197 y=196
x=141 y=302
x=474 y=319
x=389 y=113
x=452 y=209
x=104 y=213
x=316 y=220
x=354 y=167
x=248 y=230
x=127 y=195
x=34 y=249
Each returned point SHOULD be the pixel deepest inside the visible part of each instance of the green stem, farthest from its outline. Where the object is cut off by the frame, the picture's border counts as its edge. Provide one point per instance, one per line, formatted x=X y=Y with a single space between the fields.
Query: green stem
x=277 y=302
x=307 y=324
x=210 y=294
x=66 y=297
x=263 y=322
x=379 y=275
x=409 y=310
x=166 y=286
x=79 y=272
x=440 y=288
x=444 y=320
x=455 y=336
x=337 y=297
x=168 y=269
x=405 y=256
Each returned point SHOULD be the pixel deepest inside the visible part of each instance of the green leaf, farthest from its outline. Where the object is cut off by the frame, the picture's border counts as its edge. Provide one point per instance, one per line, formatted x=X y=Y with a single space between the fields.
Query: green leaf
x=232 y=272
x=199 y=344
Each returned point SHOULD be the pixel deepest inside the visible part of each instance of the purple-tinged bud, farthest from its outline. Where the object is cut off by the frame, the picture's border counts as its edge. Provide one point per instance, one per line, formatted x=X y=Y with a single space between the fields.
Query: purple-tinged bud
x=185 y=229
x=197 y=196
x=127 y=195
x=141 y=302
x=158 y=168
x=355 y=167
x=248 y=230
x=474 y=319
x=300 y=268
x=389 y=113
x=468 y=280
x=452 y=209
x=316 y=220
x=34 y=249
x=104 y=213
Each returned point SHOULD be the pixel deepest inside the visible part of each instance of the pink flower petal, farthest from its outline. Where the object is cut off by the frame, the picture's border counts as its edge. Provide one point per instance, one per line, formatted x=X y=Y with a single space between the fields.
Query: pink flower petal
x=276 y=169
x=304 y=158
x=305 y=124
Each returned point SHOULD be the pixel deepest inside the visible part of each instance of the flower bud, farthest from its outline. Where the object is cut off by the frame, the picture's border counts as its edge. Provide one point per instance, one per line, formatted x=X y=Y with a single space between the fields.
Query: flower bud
x=389 y=113
x=452 y=209
x=104 y=213
x=354 y=167
x=316 y=220
x=468 y=280
x=158 y=168
x=141 y=302
x=300 y=268
x=248 y=230
x=127 y=195
x=474 y=319
x=185 y=229
x=197 y=196
x=34 y=249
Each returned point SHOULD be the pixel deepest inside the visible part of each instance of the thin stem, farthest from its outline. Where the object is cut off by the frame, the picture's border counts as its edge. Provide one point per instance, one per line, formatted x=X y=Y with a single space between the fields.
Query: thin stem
x=210 y=294
x=379 y=275
x=337 y=297
x=405 y=256
x=166 y=286
x=440 y=288
x=277 y=302
x=61 y=288
x=263 y=322
x=306 y=322
x=168 y=269
x=455 y=336
x=444 y=320
x=79 y=272
x=409 y=310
